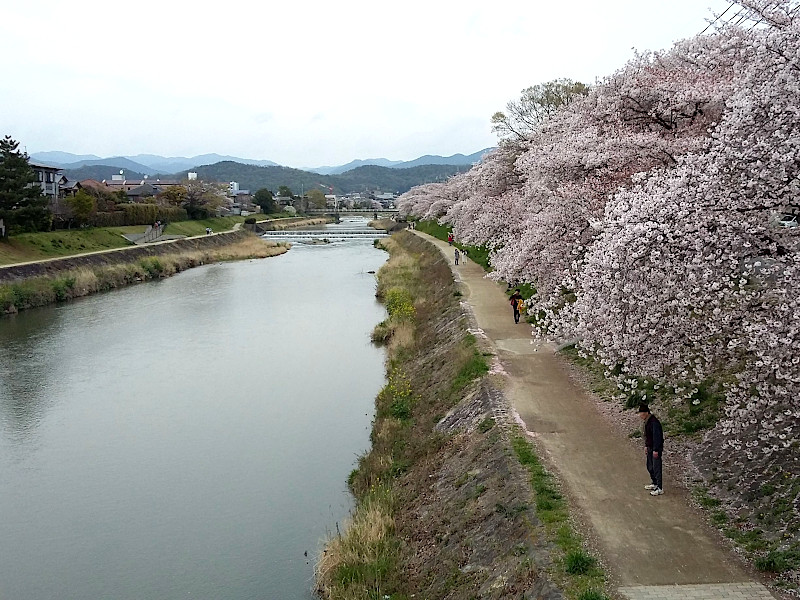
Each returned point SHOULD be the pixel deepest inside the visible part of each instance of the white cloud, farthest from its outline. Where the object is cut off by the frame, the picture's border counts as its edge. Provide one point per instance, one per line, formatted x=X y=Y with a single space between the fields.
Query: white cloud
x=303 y=82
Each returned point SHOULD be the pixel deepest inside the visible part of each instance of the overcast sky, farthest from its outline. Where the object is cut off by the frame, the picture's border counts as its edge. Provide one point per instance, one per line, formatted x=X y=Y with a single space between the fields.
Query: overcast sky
x=304 y=83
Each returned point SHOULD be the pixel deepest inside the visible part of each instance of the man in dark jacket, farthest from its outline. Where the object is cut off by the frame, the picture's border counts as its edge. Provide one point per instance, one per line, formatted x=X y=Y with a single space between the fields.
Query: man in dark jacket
x=516 y=304
x=654 y=443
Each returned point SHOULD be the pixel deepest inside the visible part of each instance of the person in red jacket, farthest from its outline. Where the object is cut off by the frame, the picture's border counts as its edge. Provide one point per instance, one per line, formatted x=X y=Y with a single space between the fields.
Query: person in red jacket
x=654 y=446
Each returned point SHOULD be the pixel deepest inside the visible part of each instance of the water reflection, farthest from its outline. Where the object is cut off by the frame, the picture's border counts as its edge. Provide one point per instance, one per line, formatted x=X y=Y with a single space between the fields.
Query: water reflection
x=187 y=437
x=27 y=369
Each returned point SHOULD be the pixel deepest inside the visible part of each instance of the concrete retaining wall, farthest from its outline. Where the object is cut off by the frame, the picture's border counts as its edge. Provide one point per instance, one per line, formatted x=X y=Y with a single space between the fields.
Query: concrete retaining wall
x=12 y=273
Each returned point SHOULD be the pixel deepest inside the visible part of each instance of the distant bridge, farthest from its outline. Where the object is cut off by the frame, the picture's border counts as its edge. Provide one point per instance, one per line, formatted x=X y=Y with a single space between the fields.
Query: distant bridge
x=352 y=211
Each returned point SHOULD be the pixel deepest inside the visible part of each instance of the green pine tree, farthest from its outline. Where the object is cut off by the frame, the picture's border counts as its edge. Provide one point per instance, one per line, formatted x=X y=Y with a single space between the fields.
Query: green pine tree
x=22 y=205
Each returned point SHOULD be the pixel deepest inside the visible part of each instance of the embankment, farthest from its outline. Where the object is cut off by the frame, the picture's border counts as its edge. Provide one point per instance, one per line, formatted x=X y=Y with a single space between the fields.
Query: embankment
x=39 y=283
x=281 y=224
x=444 y=506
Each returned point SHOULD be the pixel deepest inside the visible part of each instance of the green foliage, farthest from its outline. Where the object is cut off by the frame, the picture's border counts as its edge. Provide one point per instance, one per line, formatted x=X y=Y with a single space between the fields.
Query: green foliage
x=152 y=265
x=400 y=304
x=473 y=365
x=285 y=191
x=22 y=205
x=486 y=424
x=82 y=206
x=704 y=500
x=550 y=504
x=478 y=254
x=398 y=395
x=139 y=214
x=581 y=575
x=356 y=180
x=175 y=195
x=382 y=332
x=535 y=105
x=686 y=416
x=434 y=229
x=779 y=561
x=62 y=286
x=578 y=562
x=265 y=199
x=316 y=198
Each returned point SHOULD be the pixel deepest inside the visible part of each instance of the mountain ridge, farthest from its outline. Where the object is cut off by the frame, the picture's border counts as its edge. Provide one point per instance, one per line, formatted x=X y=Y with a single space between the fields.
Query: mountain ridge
x=153 y=164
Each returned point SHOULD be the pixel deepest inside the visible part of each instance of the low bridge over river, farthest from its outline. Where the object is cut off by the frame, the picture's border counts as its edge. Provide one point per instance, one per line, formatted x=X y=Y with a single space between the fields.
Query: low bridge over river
x=324 y=235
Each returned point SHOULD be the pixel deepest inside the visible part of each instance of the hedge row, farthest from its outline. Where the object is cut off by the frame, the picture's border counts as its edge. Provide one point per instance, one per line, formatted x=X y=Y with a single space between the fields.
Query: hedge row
x=138 y=214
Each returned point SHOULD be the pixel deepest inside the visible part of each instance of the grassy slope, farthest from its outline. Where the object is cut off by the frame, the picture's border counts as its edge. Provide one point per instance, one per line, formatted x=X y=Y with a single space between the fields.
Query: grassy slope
x=394 y=547
x=53 y=244
x=480 y=254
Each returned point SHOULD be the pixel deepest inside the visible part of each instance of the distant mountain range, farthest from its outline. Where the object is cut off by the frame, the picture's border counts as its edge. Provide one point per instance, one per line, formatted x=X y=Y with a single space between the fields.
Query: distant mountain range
x=147 y=164
x=151 y=164
x=360 y=179
x=428 y=159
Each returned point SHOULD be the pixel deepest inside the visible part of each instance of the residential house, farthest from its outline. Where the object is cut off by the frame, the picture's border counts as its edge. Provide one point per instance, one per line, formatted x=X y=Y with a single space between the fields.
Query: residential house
x=49 y=178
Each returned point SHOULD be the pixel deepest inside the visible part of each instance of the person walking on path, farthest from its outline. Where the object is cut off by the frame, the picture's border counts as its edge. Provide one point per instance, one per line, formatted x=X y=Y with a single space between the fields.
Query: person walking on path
x=458 y=254
x=450 y=238
x=516 y=304
x=654 y=444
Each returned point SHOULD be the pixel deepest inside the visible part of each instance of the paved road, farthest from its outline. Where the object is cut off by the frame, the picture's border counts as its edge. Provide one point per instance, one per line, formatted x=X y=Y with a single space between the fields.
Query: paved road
x=656 y=548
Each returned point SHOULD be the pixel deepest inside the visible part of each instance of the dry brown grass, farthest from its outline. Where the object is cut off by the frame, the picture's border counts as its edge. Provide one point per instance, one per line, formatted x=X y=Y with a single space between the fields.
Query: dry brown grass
x=402 y=337
x=251 y=247
x=280 y=226
x=82 y=281
x=353 y=564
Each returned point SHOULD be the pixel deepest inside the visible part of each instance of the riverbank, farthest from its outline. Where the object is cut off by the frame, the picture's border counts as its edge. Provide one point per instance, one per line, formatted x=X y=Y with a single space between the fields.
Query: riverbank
x=601 y=469
x=444 y=501
x=46 y=245
x=290 y=223
x=45 y=282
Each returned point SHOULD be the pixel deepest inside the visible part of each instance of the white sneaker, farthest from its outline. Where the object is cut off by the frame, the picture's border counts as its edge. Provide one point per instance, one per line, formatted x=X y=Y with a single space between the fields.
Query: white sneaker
x=651 y=486
x=657 y=492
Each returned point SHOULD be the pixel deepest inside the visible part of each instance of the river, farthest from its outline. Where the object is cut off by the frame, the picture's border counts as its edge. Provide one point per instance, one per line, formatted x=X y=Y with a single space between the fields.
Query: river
x=189 y=437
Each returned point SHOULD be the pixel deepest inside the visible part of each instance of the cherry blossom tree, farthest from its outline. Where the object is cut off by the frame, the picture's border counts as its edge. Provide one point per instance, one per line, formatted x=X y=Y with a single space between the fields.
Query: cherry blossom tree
x=643 y=212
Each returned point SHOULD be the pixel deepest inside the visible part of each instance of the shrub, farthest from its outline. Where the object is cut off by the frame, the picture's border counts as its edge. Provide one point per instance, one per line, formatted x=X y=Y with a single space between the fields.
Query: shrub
x=152 y=266
x=400 y=304
x=138 y=214
x=578 y=562
x=62 y=287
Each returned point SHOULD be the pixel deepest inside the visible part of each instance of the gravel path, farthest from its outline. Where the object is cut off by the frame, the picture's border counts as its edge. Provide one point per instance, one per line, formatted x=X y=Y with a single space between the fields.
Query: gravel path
x=652 y=546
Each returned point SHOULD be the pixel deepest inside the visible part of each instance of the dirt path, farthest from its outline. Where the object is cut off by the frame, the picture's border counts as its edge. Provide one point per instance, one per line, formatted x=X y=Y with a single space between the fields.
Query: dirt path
x=654 y=547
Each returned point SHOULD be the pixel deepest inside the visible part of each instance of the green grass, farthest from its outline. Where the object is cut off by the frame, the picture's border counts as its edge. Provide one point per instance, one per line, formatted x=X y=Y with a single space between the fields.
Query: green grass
x=190 y=228
x=26 y=247
x=578 y=562
x=576 y=570
x=478 y=254
x=696 y=414
x=473 y=367
x=53 y=244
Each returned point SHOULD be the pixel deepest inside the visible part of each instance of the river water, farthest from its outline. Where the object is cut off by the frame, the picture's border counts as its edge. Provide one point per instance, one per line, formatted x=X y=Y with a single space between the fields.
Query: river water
x=190 y=437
